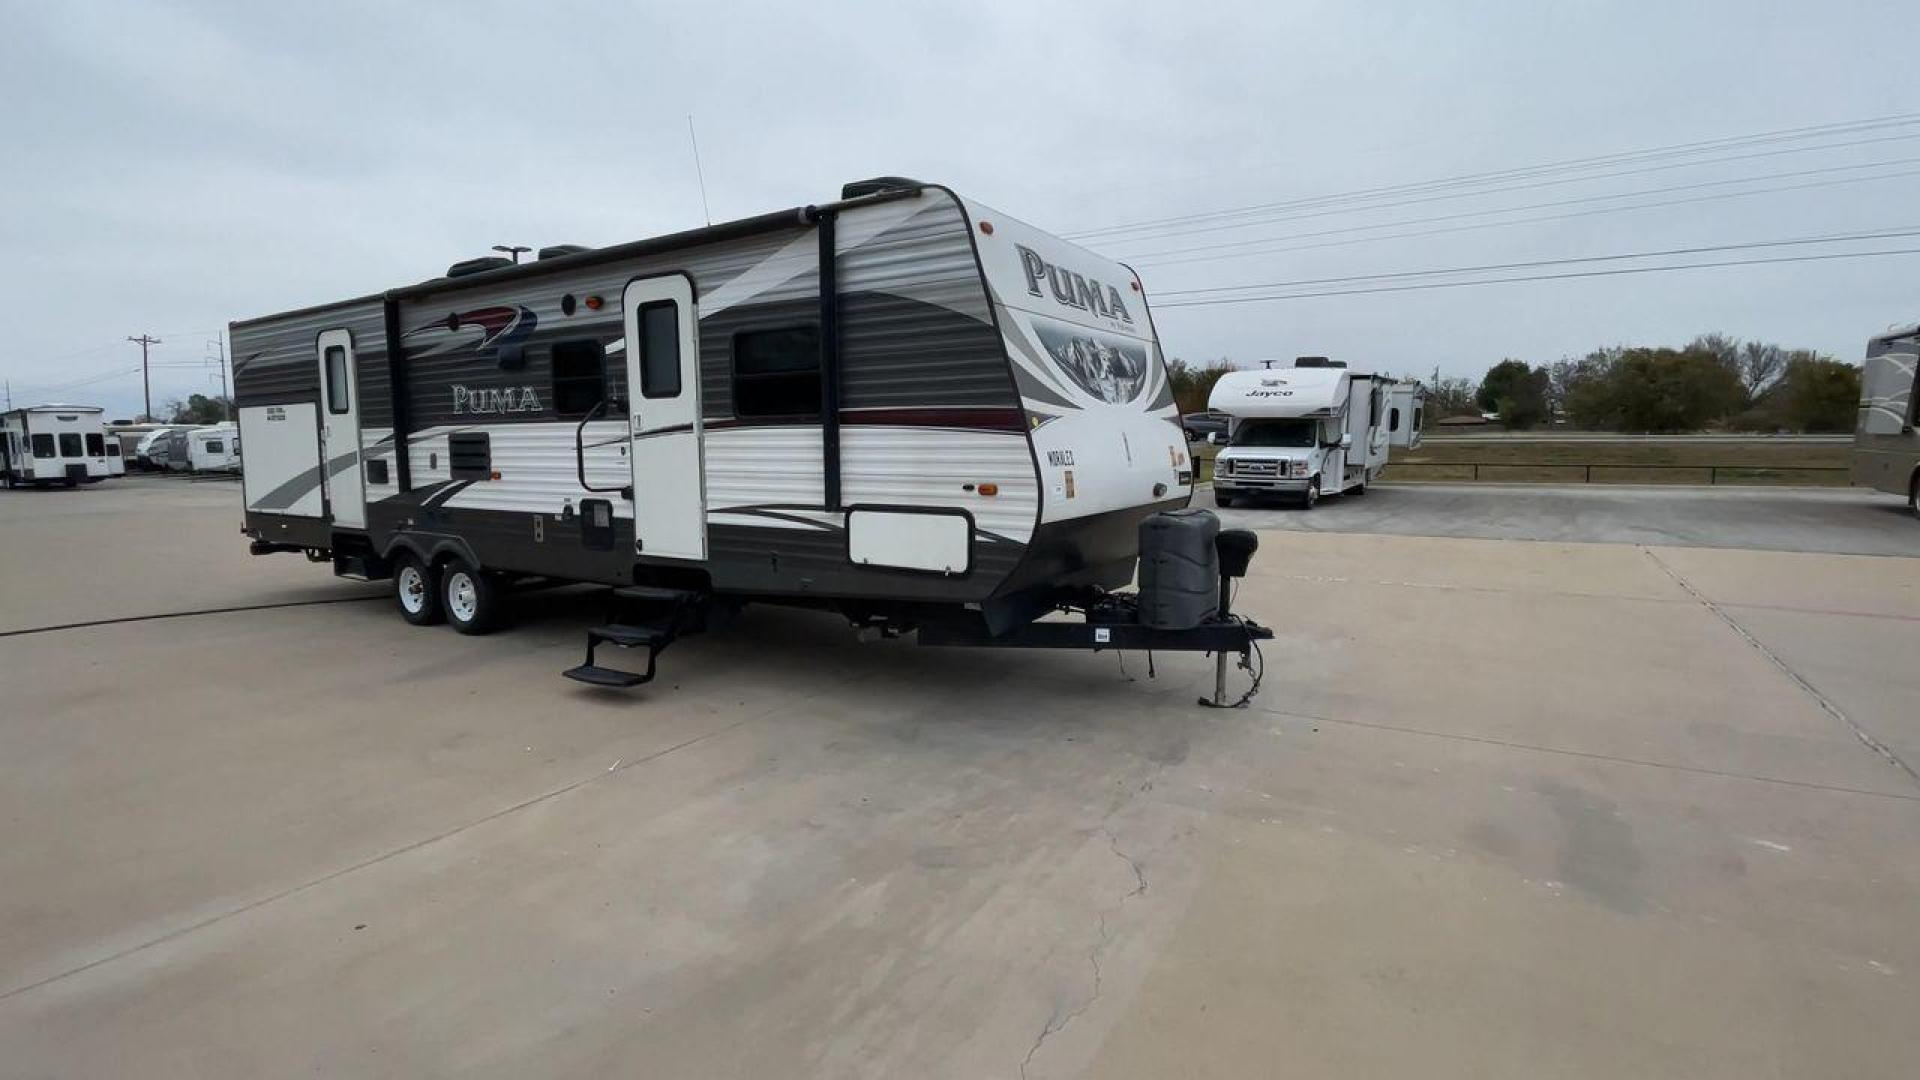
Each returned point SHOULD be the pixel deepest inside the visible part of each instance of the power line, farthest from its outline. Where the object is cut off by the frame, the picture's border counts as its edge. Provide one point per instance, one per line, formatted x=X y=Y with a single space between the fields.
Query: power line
x=1836 y=238
x=1570 y=164
x=1144 y=260
x=1449 y=196
x=1543 y=277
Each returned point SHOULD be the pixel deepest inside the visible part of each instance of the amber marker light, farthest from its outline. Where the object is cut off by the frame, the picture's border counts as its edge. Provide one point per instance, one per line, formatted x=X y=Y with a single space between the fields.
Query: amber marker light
x=989 y=489
x=595 y=303
x=987 y=227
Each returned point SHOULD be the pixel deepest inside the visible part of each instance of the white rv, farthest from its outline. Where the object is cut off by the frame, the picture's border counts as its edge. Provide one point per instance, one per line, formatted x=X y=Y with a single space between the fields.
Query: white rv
x=901 y=405
x=1306 y=430
x=1886 y=451
x=215 y=448
x=1406 y=414
x=116 y=453
x=53 y=444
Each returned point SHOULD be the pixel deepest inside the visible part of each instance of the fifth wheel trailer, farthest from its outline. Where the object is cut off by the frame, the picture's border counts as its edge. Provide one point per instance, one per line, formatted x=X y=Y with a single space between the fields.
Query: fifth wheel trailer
x=902 y=405
x=44 y=445
x=1886 y=451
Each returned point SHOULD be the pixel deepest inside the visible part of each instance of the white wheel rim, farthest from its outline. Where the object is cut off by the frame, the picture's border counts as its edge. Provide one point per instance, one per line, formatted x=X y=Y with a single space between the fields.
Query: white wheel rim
x=462 y=599
x=413 y=590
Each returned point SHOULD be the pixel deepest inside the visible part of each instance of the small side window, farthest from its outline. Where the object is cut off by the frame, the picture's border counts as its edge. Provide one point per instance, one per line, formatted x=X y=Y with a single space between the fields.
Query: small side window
x=339 y=397
x=660 y=349
x=43 y=446
x=113 y=447
x=1393 y=419
x=777 y=372
x=1419 y=418
x=579 y=376
x=70 y=444
x=96 y=445
x=215 y=446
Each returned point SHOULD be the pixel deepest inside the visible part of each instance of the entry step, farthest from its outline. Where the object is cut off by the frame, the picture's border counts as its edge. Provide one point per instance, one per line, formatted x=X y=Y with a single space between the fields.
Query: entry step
x=629 y=636
x=596 y=675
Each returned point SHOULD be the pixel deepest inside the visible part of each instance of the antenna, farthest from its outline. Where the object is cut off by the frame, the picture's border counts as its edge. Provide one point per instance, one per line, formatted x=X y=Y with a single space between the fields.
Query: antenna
x=697 y=171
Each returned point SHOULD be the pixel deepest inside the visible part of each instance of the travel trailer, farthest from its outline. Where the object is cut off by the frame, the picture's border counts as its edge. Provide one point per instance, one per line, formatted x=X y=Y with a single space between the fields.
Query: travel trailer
x=53 y=444
x=1406 y=414
x=1886 y=451
x=143 y=451
x=215 y=448
x=116 y=453
x=901 y=405
x=1309 y=429
x=171 y=452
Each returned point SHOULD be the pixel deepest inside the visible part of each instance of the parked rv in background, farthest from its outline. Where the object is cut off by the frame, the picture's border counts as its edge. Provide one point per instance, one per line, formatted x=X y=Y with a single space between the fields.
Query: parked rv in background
x=214 y=448
x=53 y=444
x=1886 y=450
x=116 y=453
x=1309 y=429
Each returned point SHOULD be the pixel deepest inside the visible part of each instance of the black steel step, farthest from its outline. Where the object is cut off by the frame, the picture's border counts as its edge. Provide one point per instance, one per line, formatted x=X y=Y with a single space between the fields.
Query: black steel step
x=628 y=636
x=596 y=675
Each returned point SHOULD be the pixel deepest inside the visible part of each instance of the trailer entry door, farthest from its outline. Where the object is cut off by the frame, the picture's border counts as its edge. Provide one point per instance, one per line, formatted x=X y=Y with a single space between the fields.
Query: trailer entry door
x=340 y=431
x=663 y=383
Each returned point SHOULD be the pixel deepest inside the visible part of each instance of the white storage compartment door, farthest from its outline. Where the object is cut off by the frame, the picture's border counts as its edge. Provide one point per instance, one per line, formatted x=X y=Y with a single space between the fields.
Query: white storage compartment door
x=281 y=471
x=934 y=541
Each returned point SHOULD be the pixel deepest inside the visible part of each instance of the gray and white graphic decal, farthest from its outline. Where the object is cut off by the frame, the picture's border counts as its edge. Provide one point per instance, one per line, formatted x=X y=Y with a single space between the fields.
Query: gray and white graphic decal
x=1113 y=369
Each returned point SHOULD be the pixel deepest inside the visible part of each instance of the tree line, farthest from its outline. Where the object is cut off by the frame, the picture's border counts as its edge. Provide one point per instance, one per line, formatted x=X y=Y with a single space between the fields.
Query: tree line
x=1713 y=381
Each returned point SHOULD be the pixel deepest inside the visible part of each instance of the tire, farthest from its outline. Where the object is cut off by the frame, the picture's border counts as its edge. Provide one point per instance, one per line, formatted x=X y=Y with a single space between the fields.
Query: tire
x=1312 y=497
x=1913 y=494
x=471 y=598
x=1221 y=500
x=416 y=591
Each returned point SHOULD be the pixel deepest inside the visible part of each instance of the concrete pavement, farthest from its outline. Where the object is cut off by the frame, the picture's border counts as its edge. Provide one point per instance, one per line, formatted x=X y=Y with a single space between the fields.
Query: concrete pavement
x=1504 y=808
x=1838 y=520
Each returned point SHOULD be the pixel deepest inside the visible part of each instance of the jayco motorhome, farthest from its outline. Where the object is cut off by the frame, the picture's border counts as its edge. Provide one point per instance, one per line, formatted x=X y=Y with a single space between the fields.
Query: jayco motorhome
x=1886 y=451
x=1309 y=429
x=53 y=444
x=902 y=405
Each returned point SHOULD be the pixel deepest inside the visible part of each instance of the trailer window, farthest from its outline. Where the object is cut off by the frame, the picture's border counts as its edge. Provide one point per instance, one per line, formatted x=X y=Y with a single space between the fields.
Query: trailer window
x=215 y=446
x=96 y=446
x=339 y=400
x=777 y=372
x=660 y=349
x=1393 y=419
x=43 y=446
x=113 y=447
x=579 y=376
x=70 y=444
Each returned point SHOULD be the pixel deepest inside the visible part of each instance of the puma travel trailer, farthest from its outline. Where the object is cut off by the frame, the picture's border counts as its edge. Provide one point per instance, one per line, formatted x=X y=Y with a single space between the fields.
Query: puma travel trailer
x=1312 y=429
x=1886 y=451
x=901 y=405
x=44 y=445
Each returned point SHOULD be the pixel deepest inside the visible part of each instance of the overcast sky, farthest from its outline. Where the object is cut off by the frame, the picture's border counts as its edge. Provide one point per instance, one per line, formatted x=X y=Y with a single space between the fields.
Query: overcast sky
x=172 y=166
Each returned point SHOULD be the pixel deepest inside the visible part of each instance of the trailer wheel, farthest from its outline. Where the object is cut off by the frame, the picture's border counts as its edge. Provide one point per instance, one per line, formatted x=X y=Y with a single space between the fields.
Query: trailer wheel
x=1913 y=494
x=416 y=589
x=472 y=597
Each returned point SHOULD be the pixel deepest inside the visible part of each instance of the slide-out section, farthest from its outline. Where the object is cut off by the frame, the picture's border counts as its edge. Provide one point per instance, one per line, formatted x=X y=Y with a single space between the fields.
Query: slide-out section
x=283 y=459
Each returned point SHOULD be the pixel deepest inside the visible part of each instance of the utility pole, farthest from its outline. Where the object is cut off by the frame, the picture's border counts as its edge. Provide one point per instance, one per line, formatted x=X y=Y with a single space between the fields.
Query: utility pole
x=146 y=384
x=226 y=397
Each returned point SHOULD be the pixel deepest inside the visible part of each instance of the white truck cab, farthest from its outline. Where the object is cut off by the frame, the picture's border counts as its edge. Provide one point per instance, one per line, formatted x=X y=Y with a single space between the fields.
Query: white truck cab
x=1305 y=430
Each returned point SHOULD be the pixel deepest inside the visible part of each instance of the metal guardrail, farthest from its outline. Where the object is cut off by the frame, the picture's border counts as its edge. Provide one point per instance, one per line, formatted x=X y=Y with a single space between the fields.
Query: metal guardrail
x=1713 y=471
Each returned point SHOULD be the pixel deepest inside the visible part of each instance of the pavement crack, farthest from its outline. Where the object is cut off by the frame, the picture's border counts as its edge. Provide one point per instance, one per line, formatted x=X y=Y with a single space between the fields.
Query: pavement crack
x=1865 y=737
x=1058 y=1022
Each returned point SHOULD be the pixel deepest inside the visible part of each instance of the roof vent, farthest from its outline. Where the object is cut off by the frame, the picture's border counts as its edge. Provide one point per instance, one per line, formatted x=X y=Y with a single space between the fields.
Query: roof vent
x=879 y=184
x=1317 y=361
x=554 y=251
x=478 y=266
